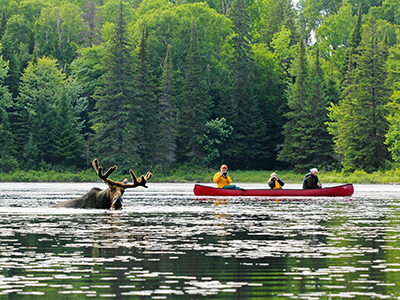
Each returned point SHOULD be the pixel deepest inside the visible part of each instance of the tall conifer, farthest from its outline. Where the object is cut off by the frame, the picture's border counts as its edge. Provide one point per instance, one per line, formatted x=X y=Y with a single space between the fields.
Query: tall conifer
x=68 y=144
x=317 y=142
x=358 y=122
x=307 y=141
x=194 y=106
x=166 y=117
x=146 y=95
x=244 y=148
x=8 y=160
x=91 y=35
x=292 y=152
x=352 y=50
x=115 y=120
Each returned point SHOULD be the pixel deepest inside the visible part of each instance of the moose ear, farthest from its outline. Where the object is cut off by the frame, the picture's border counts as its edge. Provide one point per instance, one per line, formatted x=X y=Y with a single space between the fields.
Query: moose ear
x=125 y=181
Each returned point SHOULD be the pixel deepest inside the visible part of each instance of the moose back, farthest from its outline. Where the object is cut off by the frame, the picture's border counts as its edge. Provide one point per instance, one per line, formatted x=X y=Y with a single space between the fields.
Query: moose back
x=111 y=198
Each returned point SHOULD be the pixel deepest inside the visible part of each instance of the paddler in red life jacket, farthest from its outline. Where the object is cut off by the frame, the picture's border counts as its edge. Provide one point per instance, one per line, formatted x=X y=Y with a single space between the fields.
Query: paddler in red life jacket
x=275 y=183
x=310 y=181
x=223 y=180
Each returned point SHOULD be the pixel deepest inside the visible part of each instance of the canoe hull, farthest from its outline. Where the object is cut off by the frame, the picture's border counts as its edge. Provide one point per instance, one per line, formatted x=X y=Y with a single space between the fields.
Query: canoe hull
x=345 y=190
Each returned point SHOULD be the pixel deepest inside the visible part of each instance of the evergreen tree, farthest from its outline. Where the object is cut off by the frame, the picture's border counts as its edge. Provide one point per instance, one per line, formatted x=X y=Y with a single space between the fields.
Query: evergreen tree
x=307 y=141
x=317 y=144
x=281 y=12
x=30 y=155
x=354 y=42
x=146 y=96
x=3 y=24
x=7 y=151
x=35 y=109
x=358 y=122
x=166 y=117
x=245 y=147
x=17 y=43
x=8 y=162
x=271 y=85
x=293 y=131
x=91 y=35
x=68 y=144
x=393 y=134
x=194 y=106
x=43 y=130
x=115 y=121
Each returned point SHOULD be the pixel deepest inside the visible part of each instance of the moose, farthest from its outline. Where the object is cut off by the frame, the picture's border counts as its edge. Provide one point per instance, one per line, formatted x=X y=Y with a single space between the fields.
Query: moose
x=111 y=198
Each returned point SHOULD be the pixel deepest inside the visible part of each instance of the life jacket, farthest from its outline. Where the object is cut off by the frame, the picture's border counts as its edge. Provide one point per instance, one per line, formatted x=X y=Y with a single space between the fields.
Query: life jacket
x=314 y=179
x=306 y=177
x=277 y=185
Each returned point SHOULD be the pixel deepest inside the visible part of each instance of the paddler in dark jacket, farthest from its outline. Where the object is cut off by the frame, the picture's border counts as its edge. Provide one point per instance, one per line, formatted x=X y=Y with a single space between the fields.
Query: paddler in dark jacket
x=310 y=181
x=274 y=182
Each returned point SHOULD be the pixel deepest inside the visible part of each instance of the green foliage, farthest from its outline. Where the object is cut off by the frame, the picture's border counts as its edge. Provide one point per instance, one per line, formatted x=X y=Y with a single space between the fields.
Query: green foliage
x=275 y=15
x=216 y=133
x=240 y=103
x=56 y=32
x=359 y=120
x=75 y=84
x=293 y=151
x=68 y=144
x=270 y=86
x=116 y=140
x=145 y=90
x=334 y=32
x=166 y=118
x=307 y=142
x=194 y=107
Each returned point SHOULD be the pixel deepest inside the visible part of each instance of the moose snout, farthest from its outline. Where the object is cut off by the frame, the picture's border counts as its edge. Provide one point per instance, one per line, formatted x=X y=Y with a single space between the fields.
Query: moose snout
x=116 y=202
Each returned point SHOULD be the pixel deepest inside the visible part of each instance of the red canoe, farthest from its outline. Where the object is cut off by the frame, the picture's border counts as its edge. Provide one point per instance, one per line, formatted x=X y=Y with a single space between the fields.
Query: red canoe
x=344 y=190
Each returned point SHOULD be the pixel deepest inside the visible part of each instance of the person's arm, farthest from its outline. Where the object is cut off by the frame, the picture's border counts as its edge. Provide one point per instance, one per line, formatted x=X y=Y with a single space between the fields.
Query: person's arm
x=318 y=183
x=281 y=182
x=216 y=178
x=313 y=183
x=307 y=183
x=229 y=179
x=271 y=184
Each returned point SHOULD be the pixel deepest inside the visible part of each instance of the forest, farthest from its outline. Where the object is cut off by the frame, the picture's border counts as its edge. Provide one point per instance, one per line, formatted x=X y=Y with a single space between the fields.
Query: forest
x=155 y=84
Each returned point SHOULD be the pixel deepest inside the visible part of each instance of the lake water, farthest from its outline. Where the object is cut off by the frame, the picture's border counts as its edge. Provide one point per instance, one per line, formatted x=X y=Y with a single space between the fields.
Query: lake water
x=167 y=243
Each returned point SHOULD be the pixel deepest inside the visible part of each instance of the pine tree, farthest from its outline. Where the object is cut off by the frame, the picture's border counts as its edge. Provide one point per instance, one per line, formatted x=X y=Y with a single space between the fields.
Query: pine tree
x=115 y=121
x=7 y=151
x=166 y=117
x=43 y=130
x=358 y=122
x=281 y=13
x=146 y=96
x=194 y=106
x=292 y=152
x=3 y=24
x=244 y=148
x=34 y=109
x=8 y=162
x=92 y=35
x=307 y=141
x=316 y=142
x=352 y=50
x=68 y=144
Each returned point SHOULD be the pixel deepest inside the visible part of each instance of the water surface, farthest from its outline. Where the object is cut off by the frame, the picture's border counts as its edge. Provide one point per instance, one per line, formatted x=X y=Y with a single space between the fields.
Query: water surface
x=167 y=243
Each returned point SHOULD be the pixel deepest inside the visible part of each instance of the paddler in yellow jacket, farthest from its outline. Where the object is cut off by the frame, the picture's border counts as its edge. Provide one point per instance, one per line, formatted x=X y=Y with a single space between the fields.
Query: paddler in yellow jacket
x=223 y=180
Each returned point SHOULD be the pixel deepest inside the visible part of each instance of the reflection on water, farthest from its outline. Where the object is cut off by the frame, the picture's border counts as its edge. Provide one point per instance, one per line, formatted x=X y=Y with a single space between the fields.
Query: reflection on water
x=167 y=244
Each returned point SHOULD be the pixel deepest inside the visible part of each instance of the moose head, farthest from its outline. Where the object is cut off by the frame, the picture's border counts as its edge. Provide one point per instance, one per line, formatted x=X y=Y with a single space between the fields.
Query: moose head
x=109 y=198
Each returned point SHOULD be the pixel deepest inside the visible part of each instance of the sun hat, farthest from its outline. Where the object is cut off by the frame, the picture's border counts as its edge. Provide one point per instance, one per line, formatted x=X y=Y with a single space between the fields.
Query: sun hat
x=314 y=170
x=273 y=174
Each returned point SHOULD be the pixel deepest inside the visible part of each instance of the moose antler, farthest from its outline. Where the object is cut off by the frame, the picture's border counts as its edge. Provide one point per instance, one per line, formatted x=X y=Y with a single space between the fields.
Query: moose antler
x=135 y=182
